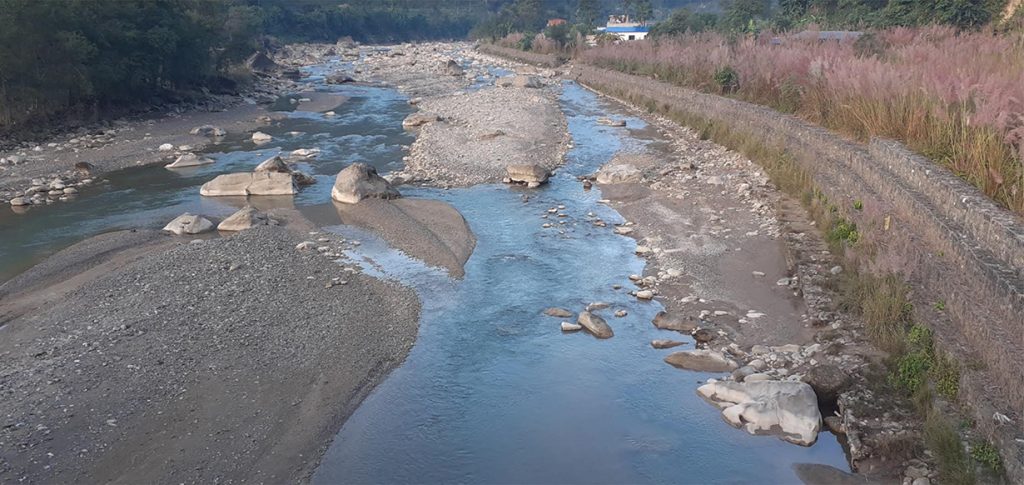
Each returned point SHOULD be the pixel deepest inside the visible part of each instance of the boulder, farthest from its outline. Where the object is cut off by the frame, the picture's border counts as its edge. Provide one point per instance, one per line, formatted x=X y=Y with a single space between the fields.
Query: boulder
x=260 y=137
x=789 y=407
x=532 y=175
x=558 y=312
x=595 y=325
x=208 y=130
x=359 y=181
x=244 y=219
x=645 y=295
x=166 y=147
x=828 y=382
x=453 y=68
x=305 y=153
x=189 y=160
x=260 y=62
x=531 y=82
x=339 y=77
x=273 y=164
x=189 y=224
x=571 y=327
x=702 y=361
x=419 y=119
x=665 y=344
x=20 y=201
x=245 y=184
x=670 y=321
x=619 y=174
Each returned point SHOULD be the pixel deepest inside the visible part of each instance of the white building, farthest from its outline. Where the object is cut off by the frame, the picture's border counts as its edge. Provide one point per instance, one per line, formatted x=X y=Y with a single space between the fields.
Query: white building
x=626 y=29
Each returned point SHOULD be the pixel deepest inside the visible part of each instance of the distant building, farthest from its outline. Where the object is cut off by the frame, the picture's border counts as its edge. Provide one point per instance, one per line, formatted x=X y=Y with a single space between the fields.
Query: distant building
x=554 y=22
x=625 y=29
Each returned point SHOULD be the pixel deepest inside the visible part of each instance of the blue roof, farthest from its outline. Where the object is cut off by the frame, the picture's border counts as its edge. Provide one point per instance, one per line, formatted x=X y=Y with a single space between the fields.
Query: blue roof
x=627 y=29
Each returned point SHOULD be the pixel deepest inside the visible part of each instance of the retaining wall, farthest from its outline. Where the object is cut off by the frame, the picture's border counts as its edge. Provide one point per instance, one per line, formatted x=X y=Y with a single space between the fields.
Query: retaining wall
x=953 y=243
x=543 y=60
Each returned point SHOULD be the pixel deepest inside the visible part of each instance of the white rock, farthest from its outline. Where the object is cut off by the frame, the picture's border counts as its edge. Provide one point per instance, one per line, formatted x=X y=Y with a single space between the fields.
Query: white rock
x=645 y=294
x=189 y=224
x=189 y=160
x=166 y=147
x=260 y=137
x=571 y=327
x=245 y=184
x=760 y=406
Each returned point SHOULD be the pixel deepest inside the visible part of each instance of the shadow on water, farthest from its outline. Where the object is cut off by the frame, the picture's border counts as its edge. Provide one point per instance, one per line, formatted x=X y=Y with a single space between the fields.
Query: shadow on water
x=493 y=392
x=366 y=128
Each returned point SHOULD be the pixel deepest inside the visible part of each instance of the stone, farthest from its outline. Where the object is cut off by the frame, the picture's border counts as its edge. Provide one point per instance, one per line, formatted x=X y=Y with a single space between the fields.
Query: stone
x=532 y=175
x=666 y=344
x=245 y=184
x=246 y=218
x=741 y=373
x=453 y=68
x=189 y=224
x=359 y=181
x=645 y=294
x=20 y=201
x=611 y=122
x=189 y=160
x=70 y=191
x=703 y=336
x=530 y=82
x=338 y=77
x=619 y=174
x=828 y=382
x=416 y=120
x=595 y=325
x=558 y=312
x=85 y=168
x=834 y=424
x=208 y=130
x=571 y=327
x=621 y=313
x=669 y=321
x=305 y=153
x=166 y=147
x=702 y=361
x=766 y=406
x=261 y=137
x=273 y=164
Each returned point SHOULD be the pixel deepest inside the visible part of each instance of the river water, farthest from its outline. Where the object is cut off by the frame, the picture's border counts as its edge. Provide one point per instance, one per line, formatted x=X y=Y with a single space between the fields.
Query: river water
x=493 y=391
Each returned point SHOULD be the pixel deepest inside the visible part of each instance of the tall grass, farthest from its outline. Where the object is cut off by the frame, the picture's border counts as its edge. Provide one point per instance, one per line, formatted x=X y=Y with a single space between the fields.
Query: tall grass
x=956 y=98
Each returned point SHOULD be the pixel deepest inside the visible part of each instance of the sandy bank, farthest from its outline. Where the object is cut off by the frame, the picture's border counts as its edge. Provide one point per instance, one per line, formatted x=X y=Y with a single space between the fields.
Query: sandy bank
x=223 y=360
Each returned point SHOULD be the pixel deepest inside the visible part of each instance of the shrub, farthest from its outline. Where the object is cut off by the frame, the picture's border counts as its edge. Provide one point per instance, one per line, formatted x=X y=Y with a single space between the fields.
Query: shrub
x=983 y=452
x=883 y=304
x=728 y=80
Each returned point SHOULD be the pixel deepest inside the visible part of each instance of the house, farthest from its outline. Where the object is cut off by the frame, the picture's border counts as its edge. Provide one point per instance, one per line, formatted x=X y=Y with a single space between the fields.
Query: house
x=554 y=22
x=624 y=28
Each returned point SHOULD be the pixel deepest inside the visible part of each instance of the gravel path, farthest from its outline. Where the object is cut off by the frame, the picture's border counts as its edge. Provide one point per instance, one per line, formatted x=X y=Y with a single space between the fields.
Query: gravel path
x=225 y=360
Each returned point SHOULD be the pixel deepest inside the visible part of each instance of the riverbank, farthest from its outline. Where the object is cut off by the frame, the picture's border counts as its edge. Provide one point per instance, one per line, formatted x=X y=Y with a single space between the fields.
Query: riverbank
x=137 y=356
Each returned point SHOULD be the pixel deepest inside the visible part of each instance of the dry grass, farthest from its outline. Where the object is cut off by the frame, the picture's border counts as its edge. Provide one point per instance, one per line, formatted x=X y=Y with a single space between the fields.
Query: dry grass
x=957 y=99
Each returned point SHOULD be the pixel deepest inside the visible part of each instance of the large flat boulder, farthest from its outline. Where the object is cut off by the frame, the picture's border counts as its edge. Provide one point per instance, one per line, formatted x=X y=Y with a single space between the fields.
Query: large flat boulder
x=619 y=174
x=246 y=184
x=247 y=218
x=595 y=325
x=530 y=174
x=788 y=408
x=702 y=361
x=360 y=181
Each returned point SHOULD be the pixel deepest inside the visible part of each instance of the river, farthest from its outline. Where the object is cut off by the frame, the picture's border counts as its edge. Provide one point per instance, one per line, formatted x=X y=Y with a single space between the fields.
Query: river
x=493 y=391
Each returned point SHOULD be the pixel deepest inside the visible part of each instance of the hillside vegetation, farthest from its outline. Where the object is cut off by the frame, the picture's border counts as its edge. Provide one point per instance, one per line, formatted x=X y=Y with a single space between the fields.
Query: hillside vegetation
x=82 y=58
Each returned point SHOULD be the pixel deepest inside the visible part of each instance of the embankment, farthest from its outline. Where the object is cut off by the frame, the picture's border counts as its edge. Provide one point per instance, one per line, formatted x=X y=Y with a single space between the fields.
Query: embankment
x=916 y=218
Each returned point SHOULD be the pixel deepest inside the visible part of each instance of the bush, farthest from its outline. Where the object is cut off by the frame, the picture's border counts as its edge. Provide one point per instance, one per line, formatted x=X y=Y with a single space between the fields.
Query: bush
x=728 y=80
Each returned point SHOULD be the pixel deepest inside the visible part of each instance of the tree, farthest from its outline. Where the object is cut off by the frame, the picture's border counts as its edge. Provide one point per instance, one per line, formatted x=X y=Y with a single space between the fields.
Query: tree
x=642 y=10
x=586 y=13
x=739 y=14
x=964 y=14
x=683 y=21
x=528 y=13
